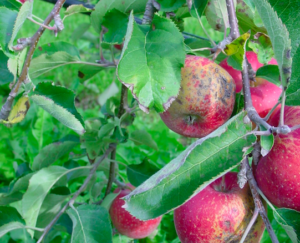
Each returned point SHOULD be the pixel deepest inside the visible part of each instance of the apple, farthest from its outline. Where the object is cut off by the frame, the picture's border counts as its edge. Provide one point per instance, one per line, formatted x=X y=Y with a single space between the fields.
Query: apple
x=237 y=75
x=125 y=223
x=278 y=173
x=264 y=96
x=205 y=100
x=218 y=213
x=118 y=46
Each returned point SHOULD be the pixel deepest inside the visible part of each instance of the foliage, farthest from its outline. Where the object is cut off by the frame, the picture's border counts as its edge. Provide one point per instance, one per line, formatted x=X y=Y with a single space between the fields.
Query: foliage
x=69 y=112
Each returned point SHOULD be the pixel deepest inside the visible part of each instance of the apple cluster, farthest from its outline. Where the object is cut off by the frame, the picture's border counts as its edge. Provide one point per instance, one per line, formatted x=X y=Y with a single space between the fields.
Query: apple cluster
x=222 y=210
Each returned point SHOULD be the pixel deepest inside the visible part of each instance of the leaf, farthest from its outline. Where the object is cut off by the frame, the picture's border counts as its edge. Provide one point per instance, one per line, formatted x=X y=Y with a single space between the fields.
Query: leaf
x=116 y=23
x=7 y=20
x=279 y=37
x=170 y=5
x=266 y=142
x=137 y=174
x=289 y=219
x=52 y=152
x=39 y=186
x=6 y=75
x=111 y=91
x=216 y=15
x=106 y=203
x=90 y=224
x=44 y=63
x=24 y=13
x=11 y=4
x=124 y=6
x=201 y=163
x=59 y=102
x=19 y=111
x=54 y=47
x=10 y=220
x=236 y=50
x=262 y=46
x=270 y=73
x=151 y=63
x=198 y=7
x=140 y=137
x=74 y=9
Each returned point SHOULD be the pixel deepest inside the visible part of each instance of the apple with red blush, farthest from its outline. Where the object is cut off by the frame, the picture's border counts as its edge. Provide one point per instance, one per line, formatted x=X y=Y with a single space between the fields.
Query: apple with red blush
x=125 y=223
x=219 y=213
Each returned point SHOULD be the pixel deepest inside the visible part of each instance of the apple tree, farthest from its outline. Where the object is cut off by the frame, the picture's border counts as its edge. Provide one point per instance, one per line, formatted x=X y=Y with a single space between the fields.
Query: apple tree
x=91 y=91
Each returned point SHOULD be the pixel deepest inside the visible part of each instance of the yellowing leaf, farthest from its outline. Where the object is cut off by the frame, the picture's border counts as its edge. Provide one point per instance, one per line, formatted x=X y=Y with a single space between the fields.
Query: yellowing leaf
x=19 y=111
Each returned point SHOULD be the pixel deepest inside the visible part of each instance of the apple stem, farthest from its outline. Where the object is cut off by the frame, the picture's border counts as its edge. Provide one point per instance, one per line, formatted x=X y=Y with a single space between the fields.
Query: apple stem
x=271 y=111
x=223 y=185
x=249 y=226
x=281 y=120
x=258 y=204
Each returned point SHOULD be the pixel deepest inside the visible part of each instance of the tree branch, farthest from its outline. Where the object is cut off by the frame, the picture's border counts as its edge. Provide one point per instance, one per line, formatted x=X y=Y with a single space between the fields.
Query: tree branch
x=112 y=167
x=80 y=190
x=6 y=108
x=149 y=12
x=258 y=204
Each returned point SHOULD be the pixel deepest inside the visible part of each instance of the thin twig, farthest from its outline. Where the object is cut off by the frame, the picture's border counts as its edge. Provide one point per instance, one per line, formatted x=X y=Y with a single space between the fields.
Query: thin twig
x=122 y=110
x=149 y=13
x=6 y=108
x=80 y=190
x=249 y=226
x=258 y=204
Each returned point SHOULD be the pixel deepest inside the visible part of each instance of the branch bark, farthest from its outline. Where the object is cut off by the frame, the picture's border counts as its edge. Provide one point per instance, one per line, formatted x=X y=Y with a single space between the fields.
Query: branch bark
x=6 y=108
x=80 y=190
x=258 y=204
x=112 y=167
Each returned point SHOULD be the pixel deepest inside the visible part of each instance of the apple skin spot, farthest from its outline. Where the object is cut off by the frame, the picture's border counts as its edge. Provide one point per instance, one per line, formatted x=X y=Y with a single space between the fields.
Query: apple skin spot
x=278 y=173
x=210 y=98
x=125 y=223
x=214 y=216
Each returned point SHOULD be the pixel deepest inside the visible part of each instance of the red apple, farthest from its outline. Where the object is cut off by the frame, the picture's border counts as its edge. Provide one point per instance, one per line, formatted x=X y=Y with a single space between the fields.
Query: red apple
x=278 y=173
x=237 y=75
x=205 y=100
x=264 y=96
x=125 y=223
x=218 y=214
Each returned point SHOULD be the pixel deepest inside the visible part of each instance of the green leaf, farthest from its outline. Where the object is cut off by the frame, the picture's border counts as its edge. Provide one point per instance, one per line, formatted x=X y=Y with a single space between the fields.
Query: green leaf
x=289 y=219
x=59 y=102
x=10 y=220
x=266 y=142
x=125 y=6
x=51 y=153
x=262 y=46
x=111 y=91
x=39 y=186
x=108 y=200
x=11 y=4
x=170 y=5
x=6 y=75
x=53 y=47
x=75 y=9
x=116 y=23
x=137 y=174
x=201 y=163
x=279 y=37
x=44 y=63
x=24 y=13
x=7 y=20
x=216 y=14
x=270 y=73
x=90 y=224
x=198 y=7
x=151 y=63
x=140 y=137
x=236 y=50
